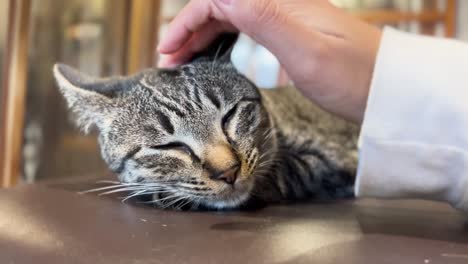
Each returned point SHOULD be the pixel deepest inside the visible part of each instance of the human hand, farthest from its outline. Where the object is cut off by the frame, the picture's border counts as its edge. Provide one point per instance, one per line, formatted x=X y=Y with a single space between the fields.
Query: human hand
x=327 y=53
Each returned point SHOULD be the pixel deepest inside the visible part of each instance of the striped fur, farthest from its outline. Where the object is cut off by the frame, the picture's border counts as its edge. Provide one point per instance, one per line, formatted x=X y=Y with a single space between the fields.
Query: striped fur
x=172 y=130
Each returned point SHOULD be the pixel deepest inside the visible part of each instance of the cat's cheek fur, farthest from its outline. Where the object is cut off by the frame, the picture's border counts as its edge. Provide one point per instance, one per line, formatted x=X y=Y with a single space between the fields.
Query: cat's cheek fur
x=132 y=173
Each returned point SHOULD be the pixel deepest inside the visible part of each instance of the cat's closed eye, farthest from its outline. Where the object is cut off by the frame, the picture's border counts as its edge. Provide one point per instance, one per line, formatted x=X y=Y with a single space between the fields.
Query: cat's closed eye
x=177 y=146
x=228 y=116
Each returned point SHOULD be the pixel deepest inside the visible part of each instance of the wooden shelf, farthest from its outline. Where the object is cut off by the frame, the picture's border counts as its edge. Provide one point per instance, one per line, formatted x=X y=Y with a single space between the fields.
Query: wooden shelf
x=385 y=16
x=394 y=16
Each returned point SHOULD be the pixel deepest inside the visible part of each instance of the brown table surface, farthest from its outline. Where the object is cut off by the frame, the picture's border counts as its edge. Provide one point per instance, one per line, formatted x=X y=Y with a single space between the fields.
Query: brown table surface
x=44 y=224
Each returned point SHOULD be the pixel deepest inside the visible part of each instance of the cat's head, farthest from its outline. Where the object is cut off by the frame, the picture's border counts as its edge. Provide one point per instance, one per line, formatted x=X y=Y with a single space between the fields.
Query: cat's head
x=197 y=133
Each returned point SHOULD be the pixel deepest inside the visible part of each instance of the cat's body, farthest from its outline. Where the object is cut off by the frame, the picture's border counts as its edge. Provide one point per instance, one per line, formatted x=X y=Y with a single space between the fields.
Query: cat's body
x=202 y=135
x=316 y=152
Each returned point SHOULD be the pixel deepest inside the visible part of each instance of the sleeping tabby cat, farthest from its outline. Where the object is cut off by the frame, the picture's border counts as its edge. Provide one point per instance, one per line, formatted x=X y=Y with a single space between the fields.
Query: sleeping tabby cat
x=203 y=136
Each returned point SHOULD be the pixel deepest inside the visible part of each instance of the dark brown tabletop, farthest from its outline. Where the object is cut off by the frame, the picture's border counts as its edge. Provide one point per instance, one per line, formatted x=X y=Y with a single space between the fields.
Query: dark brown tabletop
x=40 y=224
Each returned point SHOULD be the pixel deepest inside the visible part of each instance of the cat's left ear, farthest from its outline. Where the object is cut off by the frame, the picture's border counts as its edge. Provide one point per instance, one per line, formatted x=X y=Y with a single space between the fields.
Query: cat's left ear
x=91 y=99
x=219 y=50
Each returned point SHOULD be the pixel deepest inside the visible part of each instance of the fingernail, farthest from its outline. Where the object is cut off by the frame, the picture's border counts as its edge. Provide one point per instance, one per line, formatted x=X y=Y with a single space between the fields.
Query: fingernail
x=162 y=47
x=167 y=65
x=166 y=62
x=163 y=60
x=158 y=48
x=226 y=2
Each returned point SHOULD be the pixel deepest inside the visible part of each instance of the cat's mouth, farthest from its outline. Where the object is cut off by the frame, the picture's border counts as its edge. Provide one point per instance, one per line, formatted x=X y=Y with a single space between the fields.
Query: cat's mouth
x=233 y=190
x=226 y=197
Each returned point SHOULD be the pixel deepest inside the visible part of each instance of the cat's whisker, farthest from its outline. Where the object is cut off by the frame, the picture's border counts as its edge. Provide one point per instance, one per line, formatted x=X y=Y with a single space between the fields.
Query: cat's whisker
x=134 y=194
x=116 y=185
x=267 y=134
x=126 y=189
x=272 y=159
x=174 y=202
x=158 y=184
x=262 y=171
x=152 y=201
x=195 y=204
x=188 y=201
x=140 y=194
x=163 y=202
x=102 y=189
x=269 y=151
x=180 y=198
x=164 y=198
x=216 y=57
x=268 y=158
x=267 y=162
x=109 y=181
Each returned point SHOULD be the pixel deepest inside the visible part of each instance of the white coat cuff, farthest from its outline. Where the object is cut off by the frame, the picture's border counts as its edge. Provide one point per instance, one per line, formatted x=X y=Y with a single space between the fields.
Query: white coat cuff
x=414 y=137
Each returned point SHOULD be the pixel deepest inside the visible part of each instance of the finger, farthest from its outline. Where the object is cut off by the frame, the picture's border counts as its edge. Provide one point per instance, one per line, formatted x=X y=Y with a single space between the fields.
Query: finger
x=192 y=18
x=199 y=41
x=174 y=59
x=196 y=43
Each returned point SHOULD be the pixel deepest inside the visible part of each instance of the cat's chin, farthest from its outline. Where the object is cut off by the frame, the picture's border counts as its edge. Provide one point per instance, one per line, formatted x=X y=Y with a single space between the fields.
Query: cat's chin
x=230 y=197
x=227 y=202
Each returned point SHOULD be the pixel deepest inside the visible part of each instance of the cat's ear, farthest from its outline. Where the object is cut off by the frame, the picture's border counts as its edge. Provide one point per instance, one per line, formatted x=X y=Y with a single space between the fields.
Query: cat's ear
x=220 y=49
x=91 y=99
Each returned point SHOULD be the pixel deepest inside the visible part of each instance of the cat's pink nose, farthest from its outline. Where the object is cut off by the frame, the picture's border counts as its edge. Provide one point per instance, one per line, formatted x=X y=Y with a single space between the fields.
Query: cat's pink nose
x=229 y=176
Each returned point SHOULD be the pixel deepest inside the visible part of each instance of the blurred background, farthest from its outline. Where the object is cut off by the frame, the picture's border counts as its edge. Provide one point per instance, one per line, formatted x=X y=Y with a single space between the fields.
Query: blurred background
x=38 y=142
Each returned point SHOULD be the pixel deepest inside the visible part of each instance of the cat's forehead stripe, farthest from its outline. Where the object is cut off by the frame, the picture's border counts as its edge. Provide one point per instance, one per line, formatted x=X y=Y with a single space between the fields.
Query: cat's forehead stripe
x=213 y=99
x=165 y=122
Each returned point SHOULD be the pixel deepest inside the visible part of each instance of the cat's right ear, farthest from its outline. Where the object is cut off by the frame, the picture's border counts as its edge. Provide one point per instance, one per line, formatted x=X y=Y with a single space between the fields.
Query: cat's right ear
x=91 y=99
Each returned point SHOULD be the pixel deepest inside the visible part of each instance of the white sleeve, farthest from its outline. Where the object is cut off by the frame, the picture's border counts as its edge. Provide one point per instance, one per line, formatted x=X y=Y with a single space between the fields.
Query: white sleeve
x=414 y=137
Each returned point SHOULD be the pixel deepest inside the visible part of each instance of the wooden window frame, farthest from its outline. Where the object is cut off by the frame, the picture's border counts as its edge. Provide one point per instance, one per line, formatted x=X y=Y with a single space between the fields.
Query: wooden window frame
x=143 y=28
x=14 y=91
